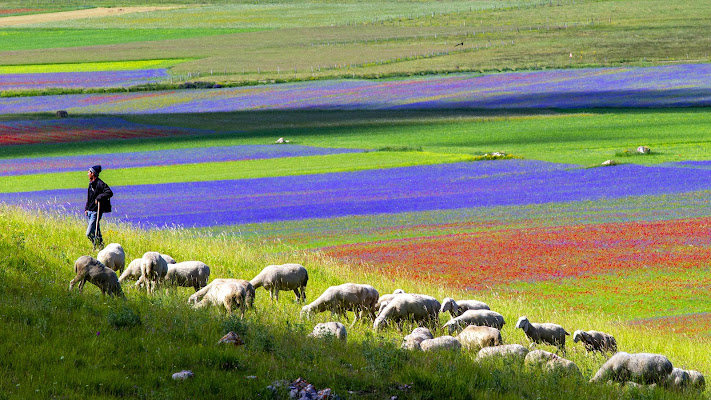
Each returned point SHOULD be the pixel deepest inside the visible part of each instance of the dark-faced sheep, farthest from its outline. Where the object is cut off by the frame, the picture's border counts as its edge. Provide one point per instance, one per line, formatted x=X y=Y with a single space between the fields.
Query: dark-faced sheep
x=457 y=308
x=153 y=270
x=188 y=274
x=88 y=268
x=409 y=307
x=283 y=277
x=227 y=294
x=360 y=299
x=642 y=368
x=113 y=257
x=475 y=317
x=595 y=341
x=547 y=333
x=474 y=338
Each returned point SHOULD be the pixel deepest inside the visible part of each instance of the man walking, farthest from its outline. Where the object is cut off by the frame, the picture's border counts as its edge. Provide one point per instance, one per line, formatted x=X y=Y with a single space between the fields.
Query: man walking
x=97 y=203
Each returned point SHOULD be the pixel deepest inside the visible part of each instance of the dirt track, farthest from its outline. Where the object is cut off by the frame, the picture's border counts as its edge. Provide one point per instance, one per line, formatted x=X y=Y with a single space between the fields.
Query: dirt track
x=77 y=14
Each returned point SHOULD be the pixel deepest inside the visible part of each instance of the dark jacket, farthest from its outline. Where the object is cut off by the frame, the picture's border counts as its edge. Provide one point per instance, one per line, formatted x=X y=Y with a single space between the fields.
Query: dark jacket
x=98 y=190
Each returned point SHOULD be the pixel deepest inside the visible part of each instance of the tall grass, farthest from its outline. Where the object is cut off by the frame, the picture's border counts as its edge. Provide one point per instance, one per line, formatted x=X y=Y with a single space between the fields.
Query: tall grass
x=82 y=345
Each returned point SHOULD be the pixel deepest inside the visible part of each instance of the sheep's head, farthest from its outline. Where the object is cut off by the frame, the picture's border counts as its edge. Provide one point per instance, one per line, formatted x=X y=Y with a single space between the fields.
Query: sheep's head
x=578 y=336
x=523 y=323
x=448 y=304
x=306 y=311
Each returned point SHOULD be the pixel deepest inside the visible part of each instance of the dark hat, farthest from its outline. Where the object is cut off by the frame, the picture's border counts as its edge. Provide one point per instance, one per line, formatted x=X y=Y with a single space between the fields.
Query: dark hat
x=96 y=170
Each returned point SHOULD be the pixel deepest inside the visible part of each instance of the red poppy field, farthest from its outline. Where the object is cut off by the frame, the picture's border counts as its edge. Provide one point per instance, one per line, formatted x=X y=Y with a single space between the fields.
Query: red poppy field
x=481 y=260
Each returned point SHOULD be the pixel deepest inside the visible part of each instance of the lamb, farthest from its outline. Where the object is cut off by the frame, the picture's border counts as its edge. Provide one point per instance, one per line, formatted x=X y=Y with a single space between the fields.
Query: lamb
x=550 y=362
x=113 y=257
x=543 y=333
x=413 y=340
x=477 y=337
x=515 y=351
x=642 y=368
x=187 y=274
x=339 y=299
x=283 y=277
x=225 y=293
x=88 y=268
x=683 y=379
x=418 y=308
x=153 y=270
x=333 y=329
x=441 y=343
x=596 y=341
x=457 y=308
x=133 y=271
x=476 y=317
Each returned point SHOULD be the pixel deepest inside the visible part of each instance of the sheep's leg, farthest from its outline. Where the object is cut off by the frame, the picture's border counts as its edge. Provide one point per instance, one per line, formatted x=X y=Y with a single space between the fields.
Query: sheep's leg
x=276 y=294
x=74 y=282
x=303 y=294
x=298 y=298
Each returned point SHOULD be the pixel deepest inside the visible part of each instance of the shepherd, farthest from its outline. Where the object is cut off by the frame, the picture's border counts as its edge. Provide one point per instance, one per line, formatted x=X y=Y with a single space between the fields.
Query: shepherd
x=97 y=203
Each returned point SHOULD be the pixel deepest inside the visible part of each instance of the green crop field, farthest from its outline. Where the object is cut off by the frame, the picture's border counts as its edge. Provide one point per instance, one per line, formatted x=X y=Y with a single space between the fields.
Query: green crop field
x=322 y=39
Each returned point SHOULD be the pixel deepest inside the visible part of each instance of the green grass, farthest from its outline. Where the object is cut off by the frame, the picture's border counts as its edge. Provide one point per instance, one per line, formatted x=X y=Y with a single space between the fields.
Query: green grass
x=233 y=170
x=74 y=345
x=29 y=38
x=584 y=138
x=89 y=67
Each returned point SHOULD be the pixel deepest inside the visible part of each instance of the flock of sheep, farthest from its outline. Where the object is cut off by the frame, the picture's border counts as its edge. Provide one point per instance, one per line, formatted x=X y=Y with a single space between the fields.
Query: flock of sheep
x=478 y=328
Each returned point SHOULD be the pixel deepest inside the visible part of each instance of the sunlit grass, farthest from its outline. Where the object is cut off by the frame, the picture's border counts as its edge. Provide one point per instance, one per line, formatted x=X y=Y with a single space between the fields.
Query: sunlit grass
x=68 y=344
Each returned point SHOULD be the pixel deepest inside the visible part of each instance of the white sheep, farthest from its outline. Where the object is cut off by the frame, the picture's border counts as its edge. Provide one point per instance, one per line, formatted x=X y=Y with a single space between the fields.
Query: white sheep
x=168 y=259
x=457 y=308
x=133 y=271
x=477 y=337
x=475 y=317
x=225 y=293
x=360 y=299
x=548 y=333
x=188 y=274
x=283 y=277
x=417 y=308
x=642 y=368
x=153 y=270
x=549 y=362
x=332 y=329
x=441 y=343
x=413 y=340
x=113 y=257
x=515 y=351
x=384 y=299
x=88 y=268
x=595 y=341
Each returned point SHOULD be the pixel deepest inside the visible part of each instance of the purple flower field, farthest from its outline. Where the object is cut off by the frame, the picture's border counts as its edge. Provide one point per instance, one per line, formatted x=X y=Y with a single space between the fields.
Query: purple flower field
x=40 y=165
x=94 y=79
x=666 y=86
x=410 y=189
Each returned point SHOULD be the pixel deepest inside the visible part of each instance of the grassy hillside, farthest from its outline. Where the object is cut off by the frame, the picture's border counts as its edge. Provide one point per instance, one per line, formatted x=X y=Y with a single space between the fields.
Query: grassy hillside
x=72 y=345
